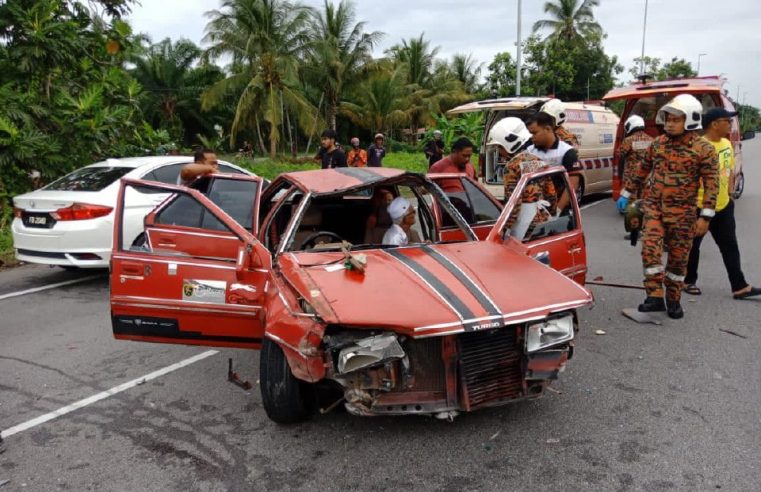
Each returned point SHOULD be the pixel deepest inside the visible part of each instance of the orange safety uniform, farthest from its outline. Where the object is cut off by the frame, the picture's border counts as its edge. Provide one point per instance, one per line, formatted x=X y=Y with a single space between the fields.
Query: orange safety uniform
x=630 y=155
x=536 y=191
x=674 y=167
x=356 y=158
x=567 y=137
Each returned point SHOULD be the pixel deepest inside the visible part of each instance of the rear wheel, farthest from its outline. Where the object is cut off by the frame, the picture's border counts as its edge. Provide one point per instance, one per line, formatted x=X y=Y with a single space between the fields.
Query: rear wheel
x=283 y=396
x=739 y=186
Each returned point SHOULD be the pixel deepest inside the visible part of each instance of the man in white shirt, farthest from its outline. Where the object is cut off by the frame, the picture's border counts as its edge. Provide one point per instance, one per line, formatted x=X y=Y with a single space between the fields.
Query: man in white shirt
x=403 y=214
x=549 y=148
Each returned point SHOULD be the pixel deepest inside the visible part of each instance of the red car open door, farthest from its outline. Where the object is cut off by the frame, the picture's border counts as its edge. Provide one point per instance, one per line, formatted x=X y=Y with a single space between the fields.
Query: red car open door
x=557 y=241
x=196 y=275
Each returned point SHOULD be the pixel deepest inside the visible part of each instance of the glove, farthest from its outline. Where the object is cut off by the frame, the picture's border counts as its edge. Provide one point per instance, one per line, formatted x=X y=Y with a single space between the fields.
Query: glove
x=621 y=204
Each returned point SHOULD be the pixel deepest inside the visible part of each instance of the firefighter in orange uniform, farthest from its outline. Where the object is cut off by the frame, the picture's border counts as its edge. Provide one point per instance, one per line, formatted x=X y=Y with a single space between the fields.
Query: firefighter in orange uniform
x=679 y=160
x=511 y=138
x=633 y=150
x=556 y=109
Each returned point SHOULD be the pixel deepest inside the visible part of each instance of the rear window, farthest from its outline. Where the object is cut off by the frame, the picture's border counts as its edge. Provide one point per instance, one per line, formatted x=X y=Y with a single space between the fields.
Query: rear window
x=88 y=179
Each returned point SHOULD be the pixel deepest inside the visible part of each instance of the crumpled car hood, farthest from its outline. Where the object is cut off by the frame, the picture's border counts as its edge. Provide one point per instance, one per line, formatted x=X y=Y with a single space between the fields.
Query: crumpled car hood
x=431 y=290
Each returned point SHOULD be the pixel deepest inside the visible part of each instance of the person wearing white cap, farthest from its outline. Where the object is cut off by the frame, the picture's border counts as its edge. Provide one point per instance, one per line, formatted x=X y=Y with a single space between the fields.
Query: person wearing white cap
x=403 y=214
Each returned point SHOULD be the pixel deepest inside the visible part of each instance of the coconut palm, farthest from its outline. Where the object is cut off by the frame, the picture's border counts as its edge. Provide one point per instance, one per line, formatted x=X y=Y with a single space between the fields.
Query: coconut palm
x=379 y=102
x=569 y=19
x=340 y=50
x=419 y=58
x=265 y=39
x=467 y=70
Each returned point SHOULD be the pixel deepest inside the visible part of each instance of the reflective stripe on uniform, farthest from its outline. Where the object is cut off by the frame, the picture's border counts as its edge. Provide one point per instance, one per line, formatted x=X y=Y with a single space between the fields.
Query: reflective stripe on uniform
x=654 y=270
x=707 y=212
x=674 y=277
x=625 y=194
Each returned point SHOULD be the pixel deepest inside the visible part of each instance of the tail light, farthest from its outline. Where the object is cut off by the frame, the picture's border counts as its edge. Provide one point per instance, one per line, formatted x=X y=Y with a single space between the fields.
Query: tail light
x=81 y=211
x=17 y=212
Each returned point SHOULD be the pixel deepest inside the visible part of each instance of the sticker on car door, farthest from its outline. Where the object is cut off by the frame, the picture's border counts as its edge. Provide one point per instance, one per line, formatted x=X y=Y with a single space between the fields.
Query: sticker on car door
x=209 y=291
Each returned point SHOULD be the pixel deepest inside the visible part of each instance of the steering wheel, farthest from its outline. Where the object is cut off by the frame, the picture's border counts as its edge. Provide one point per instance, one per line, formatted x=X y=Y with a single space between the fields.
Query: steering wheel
x=311 y=239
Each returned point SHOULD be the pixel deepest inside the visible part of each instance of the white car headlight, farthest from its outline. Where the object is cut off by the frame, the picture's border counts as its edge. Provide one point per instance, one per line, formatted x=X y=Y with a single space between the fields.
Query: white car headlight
x=548 y=333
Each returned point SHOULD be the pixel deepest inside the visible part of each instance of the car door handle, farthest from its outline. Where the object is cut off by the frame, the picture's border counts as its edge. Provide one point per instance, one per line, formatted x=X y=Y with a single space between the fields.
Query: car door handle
x=132 y=269
x=574 y=248
x=166 y=241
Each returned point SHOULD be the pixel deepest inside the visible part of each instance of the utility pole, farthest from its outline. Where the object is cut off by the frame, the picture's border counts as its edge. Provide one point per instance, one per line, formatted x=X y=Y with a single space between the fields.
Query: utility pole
x=518 y=56
x=644 y=30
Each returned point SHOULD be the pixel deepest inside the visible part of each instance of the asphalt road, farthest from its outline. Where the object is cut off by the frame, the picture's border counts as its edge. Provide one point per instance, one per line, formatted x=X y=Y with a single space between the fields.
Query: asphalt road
x=639 y=408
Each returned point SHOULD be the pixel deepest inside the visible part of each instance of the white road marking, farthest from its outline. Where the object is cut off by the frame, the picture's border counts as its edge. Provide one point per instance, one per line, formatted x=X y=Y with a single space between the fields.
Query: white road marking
x=103 y=395
x=49 y=286
x=584 y=207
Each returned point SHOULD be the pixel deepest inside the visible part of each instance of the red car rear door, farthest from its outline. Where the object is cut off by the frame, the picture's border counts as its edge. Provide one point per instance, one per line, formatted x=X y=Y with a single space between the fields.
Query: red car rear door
x=558 y=241
x=197 y=278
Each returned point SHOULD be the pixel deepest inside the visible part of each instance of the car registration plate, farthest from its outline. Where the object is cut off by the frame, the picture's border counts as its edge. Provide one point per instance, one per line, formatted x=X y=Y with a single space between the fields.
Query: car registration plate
x=41 y=220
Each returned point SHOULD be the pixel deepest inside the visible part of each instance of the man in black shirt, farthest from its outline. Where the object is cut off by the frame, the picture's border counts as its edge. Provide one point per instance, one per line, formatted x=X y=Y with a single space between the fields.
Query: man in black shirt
x=330 y=155
x=434 y=149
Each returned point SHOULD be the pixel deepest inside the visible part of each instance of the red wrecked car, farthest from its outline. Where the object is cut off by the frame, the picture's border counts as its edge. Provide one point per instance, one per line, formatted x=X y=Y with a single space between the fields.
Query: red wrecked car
x=436 y=327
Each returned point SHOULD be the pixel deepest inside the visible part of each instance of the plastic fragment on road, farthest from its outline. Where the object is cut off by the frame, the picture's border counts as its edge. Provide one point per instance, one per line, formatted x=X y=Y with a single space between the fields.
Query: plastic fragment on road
x=600 y=332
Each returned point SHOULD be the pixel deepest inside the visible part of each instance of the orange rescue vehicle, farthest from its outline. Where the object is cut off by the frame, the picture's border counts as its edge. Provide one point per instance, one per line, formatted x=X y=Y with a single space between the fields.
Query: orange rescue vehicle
x=645 y=98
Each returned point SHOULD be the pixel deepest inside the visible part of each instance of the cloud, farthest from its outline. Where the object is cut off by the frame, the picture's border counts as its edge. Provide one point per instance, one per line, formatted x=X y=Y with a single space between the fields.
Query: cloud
x=726 y=32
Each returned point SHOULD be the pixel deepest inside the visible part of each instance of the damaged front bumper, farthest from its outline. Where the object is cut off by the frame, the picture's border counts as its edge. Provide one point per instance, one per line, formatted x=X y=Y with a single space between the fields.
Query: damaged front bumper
x=388 y=374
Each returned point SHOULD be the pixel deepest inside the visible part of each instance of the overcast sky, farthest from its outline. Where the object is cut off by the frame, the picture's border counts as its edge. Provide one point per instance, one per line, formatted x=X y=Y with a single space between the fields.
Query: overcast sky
x=728 y=32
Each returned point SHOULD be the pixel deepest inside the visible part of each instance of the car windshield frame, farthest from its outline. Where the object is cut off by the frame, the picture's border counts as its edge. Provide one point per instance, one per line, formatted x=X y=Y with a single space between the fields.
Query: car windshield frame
x=412 y=180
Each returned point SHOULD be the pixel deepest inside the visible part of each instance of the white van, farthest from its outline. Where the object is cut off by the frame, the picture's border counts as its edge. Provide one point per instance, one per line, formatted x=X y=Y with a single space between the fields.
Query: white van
x=594 y=126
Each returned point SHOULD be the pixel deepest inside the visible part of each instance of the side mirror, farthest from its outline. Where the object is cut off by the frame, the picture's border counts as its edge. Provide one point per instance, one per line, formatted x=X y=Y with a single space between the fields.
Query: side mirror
x=749 y=134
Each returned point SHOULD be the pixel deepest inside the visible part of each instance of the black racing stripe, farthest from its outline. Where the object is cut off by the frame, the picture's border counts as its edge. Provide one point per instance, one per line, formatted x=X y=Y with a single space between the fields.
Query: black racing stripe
x=474 y=290
x=364 y=175
x=167 y=328
x=461 y=309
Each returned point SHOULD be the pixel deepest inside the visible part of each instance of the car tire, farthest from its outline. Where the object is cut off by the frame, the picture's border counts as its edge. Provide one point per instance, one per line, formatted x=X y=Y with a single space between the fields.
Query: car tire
x=283 y=396
x=739 y=186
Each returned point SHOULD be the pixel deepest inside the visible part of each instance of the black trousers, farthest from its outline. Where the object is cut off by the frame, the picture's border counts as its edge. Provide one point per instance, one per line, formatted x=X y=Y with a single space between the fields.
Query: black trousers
x=722 y=229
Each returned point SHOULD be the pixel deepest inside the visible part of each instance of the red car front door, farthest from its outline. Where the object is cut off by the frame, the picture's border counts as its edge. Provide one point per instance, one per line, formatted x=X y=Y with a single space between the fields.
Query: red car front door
x=479 y=208
x=558 y=241
x=198 y=278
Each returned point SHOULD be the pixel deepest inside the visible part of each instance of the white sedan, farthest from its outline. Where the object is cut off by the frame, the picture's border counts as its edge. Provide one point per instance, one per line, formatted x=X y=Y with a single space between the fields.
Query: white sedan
x=70 y=221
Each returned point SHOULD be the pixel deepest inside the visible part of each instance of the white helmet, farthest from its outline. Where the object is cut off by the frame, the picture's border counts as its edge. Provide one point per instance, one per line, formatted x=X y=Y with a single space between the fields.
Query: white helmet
x=683 y=105
x=634 y=122
x=556 y=109
x=510 y=134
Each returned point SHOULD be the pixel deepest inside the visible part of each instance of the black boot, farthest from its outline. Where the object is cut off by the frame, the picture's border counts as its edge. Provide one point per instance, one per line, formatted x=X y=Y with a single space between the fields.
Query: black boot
x=674 y=309
x=652 y=305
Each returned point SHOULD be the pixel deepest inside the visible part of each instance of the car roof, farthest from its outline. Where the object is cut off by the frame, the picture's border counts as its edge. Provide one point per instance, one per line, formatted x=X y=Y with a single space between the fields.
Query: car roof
x=135 y=162
x=323 y=181
x=522 y=103
x=677 y=86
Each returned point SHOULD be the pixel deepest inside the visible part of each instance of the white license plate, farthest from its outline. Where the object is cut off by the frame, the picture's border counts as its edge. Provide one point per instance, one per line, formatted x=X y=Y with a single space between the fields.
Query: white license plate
x=37 y=220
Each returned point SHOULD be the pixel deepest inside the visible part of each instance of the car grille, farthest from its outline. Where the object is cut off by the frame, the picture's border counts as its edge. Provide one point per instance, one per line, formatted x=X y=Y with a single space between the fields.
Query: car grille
x=490 y=367
x=42 y=254
x=426 y=364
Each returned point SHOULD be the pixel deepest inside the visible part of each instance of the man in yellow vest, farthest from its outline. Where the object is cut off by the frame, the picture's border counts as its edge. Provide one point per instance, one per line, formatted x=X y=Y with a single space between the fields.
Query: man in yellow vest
x=717 y=123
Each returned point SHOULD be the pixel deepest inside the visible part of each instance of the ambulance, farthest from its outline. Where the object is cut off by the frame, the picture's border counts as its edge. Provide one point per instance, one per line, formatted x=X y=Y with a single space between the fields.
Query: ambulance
x=593 y=124
x=646 y=97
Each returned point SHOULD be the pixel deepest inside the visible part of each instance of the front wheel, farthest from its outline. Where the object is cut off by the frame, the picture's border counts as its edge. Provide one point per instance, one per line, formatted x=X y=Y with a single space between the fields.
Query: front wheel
x=282 y=394
x=739 y=186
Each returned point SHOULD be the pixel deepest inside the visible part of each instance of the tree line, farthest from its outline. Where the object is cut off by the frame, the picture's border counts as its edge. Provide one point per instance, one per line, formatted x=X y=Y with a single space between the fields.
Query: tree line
x=79 y=85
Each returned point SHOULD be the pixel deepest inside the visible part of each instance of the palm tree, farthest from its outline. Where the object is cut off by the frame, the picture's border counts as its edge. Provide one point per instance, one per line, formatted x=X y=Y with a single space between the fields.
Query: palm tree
x=265 y=39
x=419 y=58
x=570 y=19
x=340 y=50
x=467 y=70
x=379 y=101
x=172 y=84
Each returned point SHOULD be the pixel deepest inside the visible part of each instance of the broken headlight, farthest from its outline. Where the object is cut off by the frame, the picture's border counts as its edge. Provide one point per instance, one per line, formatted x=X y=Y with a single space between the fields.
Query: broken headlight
x=369 y=352
x=549 y=332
